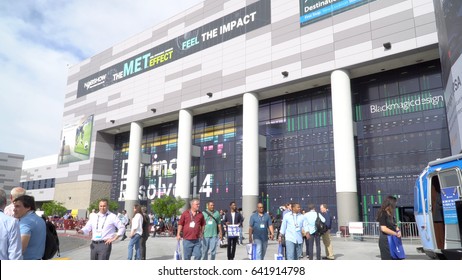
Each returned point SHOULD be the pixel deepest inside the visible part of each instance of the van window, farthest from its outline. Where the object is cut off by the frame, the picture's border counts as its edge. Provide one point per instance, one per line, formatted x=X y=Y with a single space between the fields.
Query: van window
x=449 y=178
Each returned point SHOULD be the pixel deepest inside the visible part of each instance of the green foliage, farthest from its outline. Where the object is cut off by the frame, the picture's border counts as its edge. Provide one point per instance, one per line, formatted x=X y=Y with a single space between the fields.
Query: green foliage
x=113 y=206
x=54 y=208
x=167 y=206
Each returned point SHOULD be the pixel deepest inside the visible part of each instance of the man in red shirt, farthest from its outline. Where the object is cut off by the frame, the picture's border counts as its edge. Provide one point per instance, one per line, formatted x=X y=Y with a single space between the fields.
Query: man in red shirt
x=191 y=224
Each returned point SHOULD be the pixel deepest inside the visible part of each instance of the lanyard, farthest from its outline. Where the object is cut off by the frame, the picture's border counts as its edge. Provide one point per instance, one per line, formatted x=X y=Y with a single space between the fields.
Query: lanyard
x=261 y=218
x=295 y=220
x=97 y=222
x=192 y=216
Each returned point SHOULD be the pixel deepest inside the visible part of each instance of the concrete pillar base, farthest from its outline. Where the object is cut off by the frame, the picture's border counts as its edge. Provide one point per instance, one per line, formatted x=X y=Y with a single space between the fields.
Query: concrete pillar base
x=347 y=208
x=249 y=204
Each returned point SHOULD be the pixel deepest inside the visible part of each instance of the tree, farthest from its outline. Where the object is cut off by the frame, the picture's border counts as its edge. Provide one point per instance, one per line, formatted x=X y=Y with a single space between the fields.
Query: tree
x=167 y=206
x=53 y=208
x=113 y=205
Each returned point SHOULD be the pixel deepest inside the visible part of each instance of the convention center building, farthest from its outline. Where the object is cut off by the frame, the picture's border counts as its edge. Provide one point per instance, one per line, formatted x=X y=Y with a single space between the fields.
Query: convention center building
x=311 y=101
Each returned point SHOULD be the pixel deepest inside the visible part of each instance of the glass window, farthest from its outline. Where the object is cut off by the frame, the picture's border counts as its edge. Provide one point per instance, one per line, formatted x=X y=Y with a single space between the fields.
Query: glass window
x=319 y=102
x=388 y=89
x=277 y=110
x=431 y=81
x=408 y=83
x=304 y=105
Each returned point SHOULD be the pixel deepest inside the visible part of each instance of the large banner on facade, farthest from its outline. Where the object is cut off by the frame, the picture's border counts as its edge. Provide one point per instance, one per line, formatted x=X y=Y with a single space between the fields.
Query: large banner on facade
x=315 y=10
x=76 y=140
x=216 y=32
x=449 y=21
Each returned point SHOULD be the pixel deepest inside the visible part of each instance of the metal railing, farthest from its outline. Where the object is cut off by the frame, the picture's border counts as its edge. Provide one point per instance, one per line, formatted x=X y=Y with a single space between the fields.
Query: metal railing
x=371 y=230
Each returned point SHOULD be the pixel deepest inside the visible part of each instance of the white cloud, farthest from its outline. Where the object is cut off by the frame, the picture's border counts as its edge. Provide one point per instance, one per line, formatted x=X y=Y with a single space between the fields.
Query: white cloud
x=39 y=40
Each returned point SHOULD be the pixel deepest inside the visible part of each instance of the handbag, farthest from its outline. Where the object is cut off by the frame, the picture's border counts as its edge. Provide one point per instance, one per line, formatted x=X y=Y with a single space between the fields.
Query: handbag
x=279 y=256
x=251 y=251
x=223 y=243
x=177 y=253
x=396 y=247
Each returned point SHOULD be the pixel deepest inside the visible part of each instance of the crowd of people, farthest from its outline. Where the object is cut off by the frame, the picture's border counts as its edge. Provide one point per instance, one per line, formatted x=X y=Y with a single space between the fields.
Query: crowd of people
x=23 y=233
x=202 y=232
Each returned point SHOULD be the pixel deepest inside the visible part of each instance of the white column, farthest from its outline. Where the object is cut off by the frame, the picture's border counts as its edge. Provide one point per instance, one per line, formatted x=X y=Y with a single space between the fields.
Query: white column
x=344 y=148
x=250 y=153
x=133 y=173
x=183 y=167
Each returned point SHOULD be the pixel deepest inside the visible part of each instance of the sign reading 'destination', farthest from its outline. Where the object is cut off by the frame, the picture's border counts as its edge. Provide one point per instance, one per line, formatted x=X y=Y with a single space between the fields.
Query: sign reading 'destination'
x=314 y=10
x=221 y=30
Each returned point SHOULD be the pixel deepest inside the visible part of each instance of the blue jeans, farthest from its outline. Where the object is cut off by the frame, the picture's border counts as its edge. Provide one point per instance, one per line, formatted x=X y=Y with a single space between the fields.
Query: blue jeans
x=135 y=240
x=209 y=243
x=192 y=248
x=261 y=248
x=293 y=250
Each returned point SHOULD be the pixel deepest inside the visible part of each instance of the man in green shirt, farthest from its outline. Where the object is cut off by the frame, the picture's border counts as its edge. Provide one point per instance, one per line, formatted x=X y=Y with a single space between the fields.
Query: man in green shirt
x=212 y=231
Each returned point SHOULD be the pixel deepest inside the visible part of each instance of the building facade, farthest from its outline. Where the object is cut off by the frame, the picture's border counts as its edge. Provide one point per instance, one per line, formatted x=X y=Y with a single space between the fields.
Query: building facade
x=10 y=170
x=337 y=102
x=38 y=178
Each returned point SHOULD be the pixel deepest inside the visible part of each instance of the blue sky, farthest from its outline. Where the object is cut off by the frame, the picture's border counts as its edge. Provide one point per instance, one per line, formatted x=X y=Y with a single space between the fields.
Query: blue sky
x=39 y=40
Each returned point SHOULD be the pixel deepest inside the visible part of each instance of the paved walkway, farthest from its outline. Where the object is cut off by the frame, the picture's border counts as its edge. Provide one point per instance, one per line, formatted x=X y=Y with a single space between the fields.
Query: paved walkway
x=76 y=247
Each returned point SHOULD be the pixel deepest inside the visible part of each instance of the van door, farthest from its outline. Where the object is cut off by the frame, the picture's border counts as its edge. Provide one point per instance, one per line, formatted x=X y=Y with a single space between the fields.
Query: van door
x=450 y=181
x=422 y=212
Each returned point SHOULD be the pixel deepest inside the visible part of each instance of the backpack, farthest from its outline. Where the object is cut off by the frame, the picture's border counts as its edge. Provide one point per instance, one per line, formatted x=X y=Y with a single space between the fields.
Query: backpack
x=321 y=227
x=51 y=242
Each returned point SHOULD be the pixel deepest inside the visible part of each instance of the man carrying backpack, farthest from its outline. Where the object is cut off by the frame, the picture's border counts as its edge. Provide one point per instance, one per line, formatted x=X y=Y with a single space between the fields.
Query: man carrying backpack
x=32 y=228
x=326 y=236
x=314 y=236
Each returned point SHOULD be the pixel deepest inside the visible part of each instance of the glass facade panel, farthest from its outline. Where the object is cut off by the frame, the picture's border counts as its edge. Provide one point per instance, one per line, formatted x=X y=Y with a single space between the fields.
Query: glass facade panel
x=399 y=133
x=400 y=123
x=297 y=165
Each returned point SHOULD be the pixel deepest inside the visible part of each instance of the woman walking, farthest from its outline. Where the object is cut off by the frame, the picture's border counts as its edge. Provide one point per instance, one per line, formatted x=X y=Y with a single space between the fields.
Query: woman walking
x=387 y=223
x=136 y=231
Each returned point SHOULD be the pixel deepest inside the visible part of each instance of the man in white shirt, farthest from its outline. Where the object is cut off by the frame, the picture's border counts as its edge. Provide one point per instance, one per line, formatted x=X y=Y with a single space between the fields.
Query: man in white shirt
x=103 y=228
x=15 y=193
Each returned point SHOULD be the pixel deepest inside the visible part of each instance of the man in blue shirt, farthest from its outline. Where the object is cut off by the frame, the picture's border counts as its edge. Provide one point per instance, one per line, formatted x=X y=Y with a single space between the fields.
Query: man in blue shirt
x=312 y=235
x=259 y=224
x=10 y=237
x=32 y=227
x=292 y=224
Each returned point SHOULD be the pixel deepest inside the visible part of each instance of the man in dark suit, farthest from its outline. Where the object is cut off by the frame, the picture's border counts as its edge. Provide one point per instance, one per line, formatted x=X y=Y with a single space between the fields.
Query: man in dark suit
x=233 y=220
